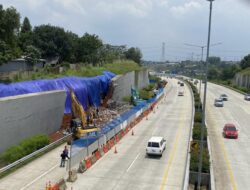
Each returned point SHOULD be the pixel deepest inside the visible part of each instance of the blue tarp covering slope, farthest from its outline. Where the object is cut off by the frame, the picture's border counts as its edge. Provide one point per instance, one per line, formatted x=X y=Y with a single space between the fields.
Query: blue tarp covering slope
x=87 y=89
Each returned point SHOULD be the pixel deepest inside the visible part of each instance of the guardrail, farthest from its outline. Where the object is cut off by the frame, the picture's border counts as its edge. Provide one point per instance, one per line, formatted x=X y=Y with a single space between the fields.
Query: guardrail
x=187 y=163
x=4 y=169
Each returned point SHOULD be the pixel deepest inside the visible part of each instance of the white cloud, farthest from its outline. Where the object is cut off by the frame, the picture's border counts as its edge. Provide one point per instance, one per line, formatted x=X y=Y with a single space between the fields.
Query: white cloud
x=146 y=23
x=186 y=8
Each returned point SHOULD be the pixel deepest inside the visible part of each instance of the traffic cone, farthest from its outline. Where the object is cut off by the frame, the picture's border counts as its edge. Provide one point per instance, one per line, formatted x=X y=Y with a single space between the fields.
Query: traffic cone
x=49 y=186
x=115 y=150
x=132 y=132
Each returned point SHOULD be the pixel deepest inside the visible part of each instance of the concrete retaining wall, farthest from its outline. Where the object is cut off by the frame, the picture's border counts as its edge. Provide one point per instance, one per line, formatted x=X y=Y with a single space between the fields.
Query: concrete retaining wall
x=242 y=80
x=141 y=78
x=27 y=115
x=123 y=83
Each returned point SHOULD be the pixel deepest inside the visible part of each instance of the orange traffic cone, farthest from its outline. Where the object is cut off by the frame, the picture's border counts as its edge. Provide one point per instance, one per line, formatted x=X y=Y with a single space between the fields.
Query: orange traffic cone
x=49 y=186
x=115 y=150
x=132 y=132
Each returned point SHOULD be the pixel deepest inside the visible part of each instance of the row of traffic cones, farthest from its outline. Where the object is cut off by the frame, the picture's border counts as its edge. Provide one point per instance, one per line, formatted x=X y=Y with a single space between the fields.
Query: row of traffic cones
x=132 y=133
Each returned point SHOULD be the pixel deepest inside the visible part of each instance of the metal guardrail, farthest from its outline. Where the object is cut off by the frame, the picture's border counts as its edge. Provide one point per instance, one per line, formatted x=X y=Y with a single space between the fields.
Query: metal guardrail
x=187 y=163
x=4 y=169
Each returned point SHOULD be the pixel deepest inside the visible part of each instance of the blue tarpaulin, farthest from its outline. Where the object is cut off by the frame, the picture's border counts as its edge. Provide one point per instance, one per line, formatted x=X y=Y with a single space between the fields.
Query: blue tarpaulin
x=88 y=90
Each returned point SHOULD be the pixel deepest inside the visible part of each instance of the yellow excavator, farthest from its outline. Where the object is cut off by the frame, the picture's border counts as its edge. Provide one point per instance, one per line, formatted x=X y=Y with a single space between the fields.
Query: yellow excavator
x=79 y=121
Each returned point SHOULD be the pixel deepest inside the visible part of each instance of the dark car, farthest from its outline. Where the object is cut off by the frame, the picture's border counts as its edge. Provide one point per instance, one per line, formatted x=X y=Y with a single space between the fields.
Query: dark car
x=224 y=97
x=230 y=131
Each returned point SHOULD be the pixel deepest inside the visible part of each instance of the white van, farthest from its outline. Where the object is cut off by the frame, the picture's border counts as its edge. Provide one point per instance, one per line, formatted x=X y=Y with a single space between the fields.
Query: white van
x=156 y=146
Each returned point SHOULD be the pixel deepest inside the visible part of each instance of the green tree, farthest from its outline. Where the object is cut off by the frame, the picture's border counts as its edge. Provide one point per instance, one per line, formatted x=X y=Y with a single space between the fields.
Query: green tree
x=245 y=62
x=52 y=41
x=213 y=73
x=134 y=54
x=26 y=35
x=229 y=71
x=32 y=55
x=214 y=60
x=9 y=27
x=26 y=26
x=88 y=47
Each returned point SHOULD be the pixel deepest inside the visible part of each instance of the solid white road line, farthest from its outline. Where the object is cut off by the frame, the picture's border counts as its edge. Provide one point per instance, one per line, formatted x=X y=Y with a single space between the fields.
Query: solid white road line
x=39 y=177
x=133 y=162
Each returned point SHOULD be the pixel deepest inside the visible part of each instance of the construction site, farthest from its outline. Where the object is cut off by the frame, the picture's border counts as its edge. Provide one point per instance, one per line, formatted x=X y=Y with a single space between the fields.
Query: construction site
x=87 y=113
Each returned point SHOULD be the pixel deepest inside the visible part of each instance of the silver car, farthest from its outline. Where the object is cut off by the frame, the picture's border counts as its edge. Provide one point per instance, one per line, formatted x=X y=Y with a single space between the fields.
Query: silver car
x=218 y=102
x=247 y=97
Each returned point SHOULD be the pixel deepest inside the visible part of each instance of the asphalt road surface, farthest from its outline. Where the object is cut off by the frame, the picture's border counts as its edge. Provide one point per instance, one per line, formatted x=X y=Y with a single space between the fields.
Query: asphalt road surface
x=130 y=168
x=230 y=157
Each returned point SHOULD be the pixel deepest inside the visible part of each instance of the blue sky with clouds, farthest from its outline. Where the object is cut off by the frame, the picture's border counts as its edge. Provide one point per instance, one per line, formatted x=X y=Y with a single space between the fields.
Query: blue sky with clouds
x=148 y=23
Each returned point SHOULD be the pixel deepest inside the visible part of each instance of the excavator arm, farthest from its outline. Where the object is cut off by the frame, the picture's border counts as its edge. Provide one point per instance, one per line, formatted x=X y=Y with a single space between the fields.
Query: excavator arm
x=78 y=112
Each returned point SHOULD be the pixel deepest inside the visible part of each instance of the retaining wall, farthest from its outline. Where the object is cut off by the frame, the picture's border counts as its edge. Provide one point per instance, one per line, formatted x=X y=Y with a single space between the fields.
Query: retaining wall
x=242 y=80
x=27 y=115
x=123 y=83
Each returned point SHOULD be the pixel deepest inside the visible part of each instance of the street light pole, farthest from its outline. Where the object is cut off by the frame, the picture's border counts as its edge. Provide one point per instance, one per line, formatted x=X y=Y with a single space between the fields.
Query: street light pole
x=202 y=47
x=204 y=98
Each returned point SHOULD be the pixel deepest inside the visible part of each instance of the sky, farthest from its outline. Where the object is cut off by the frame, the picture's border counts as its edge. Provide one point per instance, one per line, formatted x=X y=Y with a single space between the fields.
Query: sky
x=147 y=24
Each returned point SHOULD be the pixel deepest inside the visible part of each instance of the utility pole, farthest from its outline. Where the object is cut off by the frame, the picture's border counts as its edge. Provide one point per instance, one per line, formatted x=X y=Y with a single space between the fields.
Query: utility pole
x=204 y=98
x=201 y=62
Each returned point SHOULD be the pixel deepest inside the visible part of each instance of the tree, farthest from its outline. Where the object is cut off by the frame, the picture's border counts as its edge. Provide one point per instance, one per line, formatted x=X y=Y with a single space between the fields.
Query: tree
x=87 y=48
x=32 y=55
x=26 y=35
x=214 y=60
x=134 y=54
x=9 y=26
x=52 y=41
x=26 y=26
x=213 y=73
x=229 y=71
x=245 y=62
x=108 y=53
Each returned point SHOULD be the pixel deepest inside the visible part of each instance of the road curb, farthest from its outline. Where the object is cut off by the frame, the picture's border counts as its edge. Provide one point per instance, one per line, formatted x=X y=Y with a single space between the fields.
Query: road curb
x=212 y=179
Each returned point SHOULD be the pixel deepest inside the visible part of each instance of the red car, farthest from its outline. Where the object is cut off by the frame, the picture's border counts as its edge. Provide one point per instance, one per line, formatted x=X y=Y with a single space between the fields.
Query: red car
x=230 y=131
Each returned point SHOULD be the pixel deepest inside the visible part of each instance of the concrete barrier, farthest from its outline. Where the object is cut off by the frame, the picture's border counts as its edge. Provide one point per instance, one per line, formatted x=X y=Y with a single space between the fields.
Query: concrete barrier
x=110 y=134
x=93 y=147
x=102 y=140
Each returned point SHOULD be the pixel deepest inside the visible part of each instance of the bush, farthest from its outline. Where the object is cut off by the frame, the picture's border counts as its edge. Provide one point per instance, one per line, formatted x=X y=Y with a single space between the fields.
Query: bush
x=194 y=160
x=12 y=154
x=126 y=99
x=145 y=95
x=197 y=97
x=198 y=117
x=243 y=89
x=149 y=87
x=197 y=105
x=197 y=132
x=26 y=147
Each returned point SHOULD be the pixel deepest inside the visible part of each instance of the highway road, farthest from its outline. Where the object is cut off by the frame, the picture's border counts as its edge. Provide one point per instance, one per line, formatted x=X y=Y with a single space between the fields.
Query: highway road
x=230 y=157
x=130 y=168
